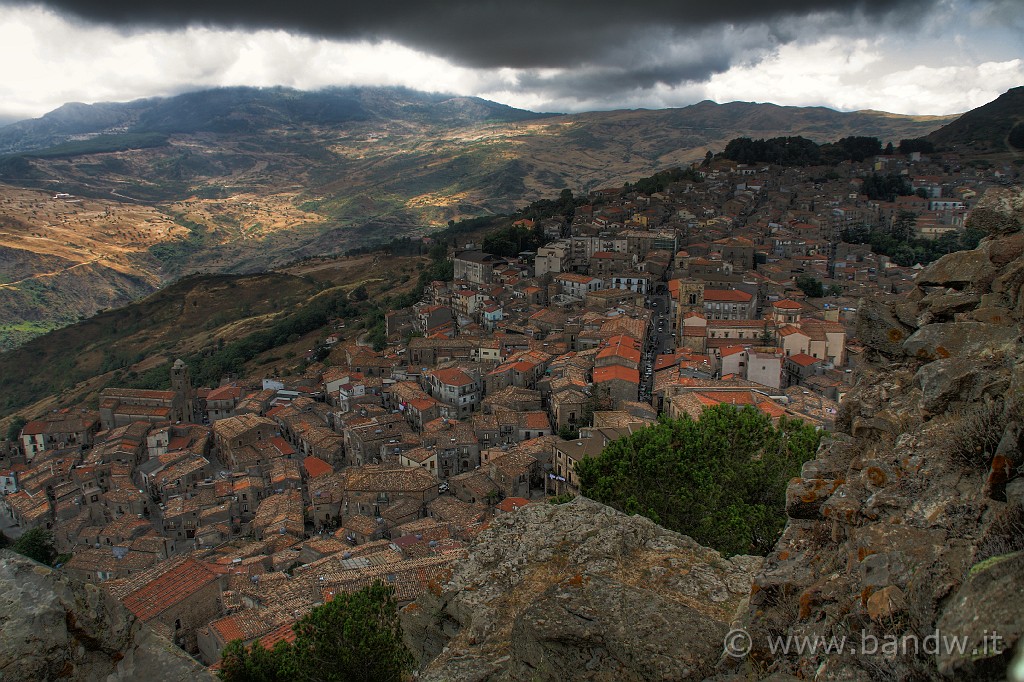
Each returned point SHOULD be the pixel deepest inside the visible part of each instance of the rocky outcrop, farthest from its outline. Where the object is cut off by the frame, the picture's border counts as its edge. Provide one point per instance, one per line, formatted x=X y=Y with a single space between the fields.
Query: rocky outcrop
x=578 y=591
x=910 y=520
x=54 y=628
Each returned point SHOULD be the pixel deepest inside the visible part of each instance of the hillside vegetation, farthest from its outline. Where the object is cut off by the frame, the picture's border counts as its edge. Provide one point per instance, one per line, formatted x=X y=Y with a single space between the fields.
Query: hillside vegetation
x=113 y=342
x=721 y=480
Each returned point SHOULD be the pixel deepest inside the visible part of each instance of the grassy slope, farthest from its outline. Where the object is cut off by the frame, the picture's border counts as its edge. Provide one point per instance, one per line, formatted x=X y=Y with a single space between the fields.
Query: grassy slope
x=172 y=320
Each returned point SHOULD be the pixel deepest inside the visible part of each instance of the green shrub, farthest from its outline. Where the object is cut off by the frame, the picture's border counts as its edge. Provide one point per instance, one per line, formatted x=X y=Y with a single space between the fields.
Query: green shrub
x=721 y=479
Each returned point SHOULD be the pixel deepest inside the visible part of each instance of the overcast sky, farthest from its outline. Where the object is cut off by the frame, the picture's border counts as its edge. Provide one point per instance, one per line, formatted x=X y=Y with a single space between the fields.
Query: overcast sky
x=902 y=56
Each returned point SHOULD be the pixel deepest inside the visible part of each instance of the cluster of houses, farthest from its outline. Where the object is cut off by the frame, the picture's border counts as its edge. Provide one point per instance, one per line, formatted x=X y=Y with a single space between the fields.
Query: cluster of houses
x=226 y=513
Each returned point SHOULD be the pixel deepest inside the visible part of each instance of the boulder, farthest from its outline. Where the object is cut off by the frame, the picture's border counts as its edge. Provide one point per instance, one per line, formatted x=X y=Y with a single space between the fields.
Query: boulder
x=1000 y=211
x=886 y=604
x=579 y=590
x=998 y=315
x=960 y=339
x=1004 y=249
x=804 y=497
x=958 y=270
x=908 y=313
x=942 y=306
x=989 y=603
x=599 y=627
x=878 y=328
x=957 y=379
x=1010 y=284
x=54 y=627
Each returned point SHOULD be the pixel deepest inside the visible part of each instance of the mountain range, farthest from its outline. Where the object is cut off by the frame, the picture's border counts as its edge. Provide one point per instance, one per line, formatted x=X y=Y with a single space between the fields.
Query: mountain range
x=103 y=203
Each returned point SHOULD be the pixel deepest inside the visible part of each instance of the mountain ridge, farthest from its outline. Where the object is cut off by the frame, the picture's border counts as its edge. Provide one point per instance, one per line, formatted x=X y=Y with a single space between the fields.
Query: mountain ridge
x=210 y=110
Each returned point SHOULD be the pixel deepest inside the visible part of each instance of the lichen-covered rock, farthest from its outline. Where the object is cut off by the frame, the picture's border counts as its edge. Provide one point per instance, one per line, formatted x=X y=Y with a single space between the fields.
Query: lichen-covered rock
x=880 y=329
x=805 y=496
x=958 y=270
x=959 y=379
x=579 y=591
x=1000 y=211
x=991 y=601
x=53 y=627
x=961 y=339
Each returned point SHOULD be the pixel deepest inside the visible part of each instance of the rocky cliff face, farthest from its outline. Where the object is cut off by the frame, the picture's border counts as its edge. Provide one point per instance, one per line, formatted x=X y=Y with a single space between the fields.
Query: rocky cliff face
x=579 y=591
x=910 y=520
x=54 y=628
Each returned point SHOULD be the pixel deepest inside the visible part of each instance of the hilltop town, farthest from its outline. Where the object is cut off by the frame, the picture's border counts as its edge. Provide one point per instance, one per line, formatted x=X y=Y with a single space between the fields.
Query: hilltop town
x=218 y=513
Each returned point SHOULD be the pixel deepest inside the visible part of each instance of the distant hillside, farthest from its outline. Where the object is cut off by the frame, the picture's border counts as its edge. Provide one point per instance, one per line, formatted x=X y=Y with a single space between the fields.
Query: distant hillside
x=243 y=325
x=248 y=179
x=195 y=310
x=245 y=109
x=987 y=128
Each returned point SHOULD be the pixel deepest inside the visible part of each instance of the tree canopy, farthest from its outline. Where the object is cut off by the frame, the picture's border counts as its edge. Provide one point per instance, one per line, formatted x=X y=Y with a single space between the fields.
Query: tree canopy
x=720 y=479
x=353 y=637
x=810 y=285
x=918 y=144
x=36 y=544
x=853 y=148
x=886 y=187
x=662 y=179
x=14 y=428
x=782 y=151
x=910 y=250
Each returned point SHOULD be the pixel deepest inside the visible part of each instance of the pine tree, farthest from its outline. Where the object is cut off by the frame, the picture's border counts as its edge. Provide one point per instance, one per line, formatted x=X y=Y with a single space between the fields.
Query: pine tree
x=352 y=638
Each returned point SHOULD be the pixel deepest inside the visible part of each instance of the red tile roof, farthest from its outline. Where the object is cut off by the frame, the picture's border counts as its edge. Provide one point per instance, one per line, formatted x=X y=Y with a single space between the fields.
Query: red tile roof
x=511 y=504
x=803 y=359
x=730 y=350
x=537 y=420
x=225 y=393
x=452 y=377
x=33 y=428
x=285 y=633
x=173 y=587
x=771 y=409
x=790 y=329
x=602 y=374
x=316 y=467
x=730 y=295
x=283 y=446
x=178 y=443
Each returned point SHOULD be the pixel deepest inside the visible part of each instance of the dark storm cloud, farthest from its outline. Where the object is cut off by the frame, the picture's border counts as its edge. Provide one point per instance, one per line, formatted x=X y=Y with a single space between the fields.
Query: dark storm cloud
x=633 y=67
x=478 y=33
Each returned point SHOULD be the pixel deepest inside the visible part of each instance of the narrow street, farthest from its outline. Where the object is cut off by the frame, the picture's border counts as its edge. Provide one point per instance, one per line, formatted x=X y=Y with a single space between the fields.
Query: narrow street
x=660 y=341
